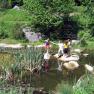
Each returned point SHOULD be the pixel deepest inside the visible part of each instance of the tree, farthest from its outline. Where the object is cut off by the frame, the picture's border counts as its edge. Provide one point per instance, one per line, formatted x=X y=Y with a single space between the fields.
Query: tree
x=86 y=19
x=48 y=14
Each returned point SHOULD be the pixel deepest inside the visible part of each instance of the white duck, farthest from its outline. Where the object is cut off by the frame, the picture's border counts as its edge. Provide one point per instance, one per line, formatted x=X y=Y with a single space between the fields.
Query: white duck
x=89 y=68
x=47 y=55
x=71 y=65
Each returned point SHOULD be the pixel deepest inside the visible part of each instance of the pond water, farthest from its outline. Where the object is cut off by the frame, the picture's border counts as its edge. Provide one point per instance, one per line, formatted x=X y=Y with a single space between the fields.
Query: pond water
x=50 y=80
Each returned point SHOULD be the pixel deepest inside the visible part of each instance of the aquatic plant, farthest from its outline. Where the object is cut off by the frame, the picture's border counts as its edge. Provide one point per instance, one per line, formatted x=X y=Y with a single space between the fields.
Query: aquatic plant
x=64 y=89
x=85 y=85
x=32 y=57
x=16 y=90
x=24 y=57
x=80 y=90
x=20 y=61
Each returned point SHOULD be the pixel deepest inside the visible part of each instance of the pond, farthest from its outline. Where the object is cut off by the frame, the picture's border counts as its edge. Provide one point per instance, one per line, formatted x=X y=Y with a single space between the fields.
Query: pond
x=51 y=79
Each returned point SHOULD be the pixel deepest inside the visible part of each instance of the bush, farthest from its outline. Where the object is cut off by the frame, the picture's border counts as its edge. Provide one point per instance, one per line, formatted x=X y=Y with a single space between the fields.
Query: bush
x=85 y=85
x=17 y=33
x=83 y=43
x=80 y=90
x=11 y=21
x=3 y=33
x=84 y=36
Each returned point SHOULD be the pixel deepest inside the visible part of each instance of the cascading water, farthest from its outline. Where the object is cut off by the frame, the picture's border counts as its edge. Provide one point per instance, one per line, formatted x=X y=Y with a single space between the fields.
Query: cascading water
x=31 y=36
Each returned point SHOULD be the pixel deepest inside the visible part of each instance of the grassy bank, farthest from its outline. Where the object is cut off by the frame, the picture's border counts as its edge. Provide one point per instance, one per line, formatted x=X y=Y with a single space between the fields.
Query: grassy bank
x=12 y=20
x=90 y=45
x=23 y=42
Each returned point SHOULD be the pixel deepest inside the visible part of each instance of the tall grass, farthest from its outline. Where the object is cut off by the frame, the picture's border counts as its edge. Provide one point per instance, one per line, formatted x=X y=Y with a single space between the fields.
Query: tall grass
x=64 y=88
x=17 y=90
x=85 y=85
x=30 y=56
x=11 y=15
x=19 y=61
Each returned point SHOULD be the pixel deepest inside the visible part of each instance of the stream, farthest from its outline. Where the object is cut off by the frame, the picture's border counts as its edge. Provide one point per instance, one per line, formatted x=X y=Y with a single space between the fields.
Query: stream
x=49 y=81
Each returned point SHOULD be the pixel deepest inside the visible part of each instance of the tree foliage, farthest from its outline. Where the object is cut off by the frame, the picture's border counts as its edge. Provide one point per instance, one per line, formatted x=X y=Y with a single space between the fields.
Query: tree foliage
x=86 y=19
x=58 y=18
x=48 y=14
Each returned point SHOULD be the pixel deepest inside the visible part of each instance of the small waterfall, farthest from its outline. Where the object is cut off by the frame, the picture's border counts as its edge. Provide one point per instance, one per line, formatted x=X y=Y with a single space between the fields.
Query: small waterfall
x=31 y=36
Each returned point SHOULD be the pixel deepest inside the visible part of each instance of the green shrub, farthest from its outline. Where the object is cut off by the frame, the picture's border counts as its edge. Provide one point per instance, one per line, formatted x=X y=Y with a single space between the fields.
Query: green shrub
x=85 y=85
x=84 y=36
x=83 y=43
x=80 y=90
x=3 y=32
x=3 y=35
x=17 y=33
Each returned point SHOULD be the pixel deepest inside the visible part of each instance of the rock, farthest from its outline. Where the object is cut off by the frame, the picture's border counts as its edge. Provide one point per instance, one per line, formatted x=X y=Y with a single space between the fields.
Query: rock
x=77 y=50
x=59 y=68
x=56 y=55
x=75 y=41
x=71 y=58
x=71 y=65
x=2 y=44
x=29 y=46
x=15 y=46
x=40 y=46
x=85 y=55
x=89 y=68
x=16 y=7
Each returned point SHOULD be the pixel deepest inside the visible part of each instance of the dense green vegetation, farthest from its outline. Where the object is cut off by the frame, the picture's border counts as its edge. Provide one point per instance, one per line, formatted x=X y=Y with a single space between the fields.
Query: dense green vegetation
x=11 y=22
x=61 y=18
x=56 y=19
x=83 y=86
x=22 y=62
